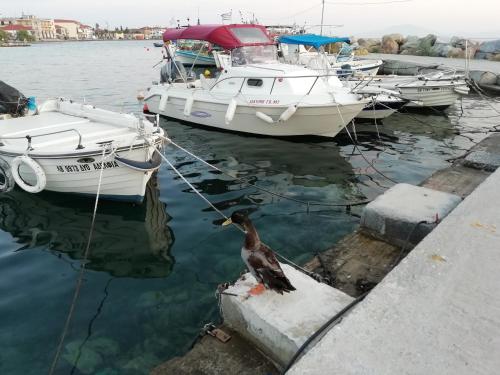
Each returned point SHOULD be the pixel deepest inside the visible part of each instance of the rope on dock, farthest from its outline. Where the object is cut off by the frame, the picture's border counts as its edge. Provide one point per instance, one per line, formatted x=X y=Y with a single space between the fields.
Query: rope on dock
x=76 y=294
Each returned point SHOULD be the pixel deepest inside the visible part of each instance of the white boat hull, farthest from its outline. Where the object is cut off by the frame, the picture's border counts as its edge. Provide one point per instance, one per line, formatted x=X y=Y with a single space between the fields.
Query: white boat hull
x=437 y=97
x=318 y=120
x=126 y=167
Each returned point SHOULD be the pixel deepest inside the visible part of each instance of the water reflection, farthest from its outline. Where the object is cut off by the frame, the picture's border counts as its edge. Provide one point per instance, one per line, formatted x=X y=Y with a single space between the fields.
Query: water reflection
x=129 y=241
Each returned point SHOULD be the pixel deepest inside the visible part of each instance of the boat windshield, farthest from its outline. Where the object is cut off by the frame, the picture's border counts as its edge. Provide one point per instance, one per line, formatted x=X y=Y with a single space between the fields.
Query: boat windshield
x=254 y=55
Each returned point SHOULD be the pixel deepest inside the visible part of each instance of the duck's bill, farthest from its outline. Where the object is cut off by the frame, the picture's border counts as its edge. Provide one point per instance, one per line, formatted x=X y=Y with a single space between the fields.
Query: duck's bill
x=227 y=222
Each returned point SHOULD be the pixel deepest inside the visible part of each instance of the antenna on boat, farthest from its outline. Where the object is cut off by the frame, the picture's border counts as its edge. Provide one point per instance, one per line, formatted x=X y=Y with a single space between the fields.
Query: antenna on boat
x=322 y=14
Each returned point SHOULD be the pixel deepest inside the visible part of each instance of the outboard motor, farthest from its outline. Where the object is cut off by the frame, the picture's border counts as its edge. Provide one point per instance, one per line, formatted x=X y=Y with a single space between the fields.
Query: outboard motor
x=12 y=102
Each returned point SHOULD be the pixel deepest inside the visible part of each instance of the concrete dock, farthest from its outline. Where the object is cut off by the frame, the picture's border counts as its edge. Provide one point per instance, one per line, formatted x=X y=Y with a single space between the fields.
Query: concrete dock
x=437 y=312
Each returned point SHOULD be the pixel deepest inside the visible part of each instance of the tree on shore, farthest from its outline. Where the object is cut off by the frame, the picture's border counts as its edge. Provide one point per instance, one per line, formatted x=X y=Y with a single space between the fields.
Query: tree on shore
x=4 y=36
x=24 y=36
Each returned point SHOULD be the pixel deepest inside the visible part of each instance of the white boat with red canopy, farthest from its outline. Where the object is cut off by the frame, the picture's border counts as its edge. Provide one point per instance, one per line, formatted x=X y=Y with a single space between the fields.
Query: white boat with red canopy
x=253 y=92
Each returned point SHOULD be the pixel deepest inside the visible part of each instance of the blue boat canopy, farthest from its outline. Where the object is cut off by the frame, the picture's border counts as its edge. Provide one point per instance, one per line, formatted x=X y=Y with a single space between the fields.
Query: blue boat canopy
x=310 y=40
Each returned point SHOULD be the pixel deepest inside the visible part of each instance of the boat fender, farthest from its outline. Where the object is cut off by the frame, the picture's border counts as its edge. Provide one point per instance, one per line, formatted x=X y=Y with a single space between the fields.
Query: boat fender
x=264 y=117
x=7 y=182
x=41 y=179
x=289 y=112
x=163 y=102
x=188 y=106
x=147 y=166
x=231 y=110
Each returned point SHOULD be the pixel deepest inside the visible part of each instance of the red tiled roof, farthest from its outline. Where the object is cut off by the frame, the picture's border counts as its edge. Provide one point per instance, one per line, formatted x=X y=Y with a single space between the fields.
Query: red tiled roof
x=66 y=21
x=16 y=28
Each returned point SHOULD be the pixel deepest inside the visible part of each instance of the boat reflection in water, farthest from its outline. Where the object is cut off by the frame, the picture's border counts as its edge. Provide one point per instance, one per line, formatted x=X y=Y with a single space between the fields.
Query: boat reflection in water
x=128 y=241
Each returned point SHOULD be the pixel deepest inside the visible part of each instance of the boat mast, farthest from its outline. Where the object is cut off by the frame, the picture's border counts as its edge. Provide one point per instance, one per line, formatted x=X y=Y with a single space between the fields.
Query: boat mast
x=322 y=14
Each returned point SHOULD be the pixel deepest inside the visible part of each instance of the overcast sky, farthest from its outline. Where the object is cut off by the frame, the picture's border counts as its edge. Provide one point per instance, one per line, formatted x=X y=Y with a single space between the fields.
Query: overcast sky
x=444 y=17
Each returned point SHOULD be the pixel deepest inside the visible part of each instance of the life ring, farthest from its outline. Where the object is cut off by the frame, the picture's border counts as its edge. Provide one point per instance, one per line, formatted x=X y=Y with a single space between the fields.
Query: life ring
x=7 y=182
x=41 y=179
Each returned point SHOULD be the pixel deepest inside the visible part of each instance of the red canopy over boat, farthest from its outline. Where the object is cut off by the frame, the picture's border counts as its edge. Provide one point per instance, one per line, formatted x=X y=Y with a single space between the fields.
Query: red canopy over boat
x=226 y=36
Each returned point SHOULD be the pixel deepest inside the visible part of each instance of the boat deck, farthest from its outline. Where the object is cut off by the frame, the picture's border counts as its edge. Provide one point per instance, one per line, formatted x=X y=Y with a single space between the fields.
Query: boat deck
x=69 y=127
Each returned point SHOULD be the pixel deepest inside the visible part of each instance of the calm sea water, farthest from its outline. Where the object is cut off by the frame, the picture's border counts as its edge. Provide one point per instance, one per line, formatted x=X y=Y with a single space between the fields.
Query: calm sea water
x=153 y=267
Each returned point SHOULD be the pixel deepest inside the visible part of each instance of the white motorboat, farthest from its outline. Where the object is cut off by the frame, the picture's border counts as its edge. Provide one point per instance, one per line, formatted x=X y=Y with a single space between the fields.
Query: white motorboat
x=436 y=91
x=253 y=93
x=65 y=146
x=382 y=102
x=300 y=49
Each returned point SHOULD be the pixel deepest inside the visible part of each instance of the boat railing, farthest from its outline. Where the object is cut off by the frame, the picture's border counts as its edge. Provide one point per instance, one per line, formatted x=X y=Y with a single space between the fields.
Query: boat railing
x=29 y=138
x=245 y=78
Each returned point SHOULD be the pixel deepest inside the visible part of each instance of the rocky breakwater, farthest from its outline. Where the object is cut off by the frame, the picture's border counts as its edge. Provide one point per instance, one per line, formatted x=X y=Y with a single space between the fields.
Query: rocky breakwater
x=430 y=45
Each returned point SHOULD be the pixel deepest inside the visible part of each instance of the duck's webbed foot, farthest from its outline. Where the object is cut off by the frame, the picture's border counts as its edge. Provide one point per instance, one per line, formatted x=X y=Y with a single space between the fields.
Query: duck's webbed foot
x=257 y=289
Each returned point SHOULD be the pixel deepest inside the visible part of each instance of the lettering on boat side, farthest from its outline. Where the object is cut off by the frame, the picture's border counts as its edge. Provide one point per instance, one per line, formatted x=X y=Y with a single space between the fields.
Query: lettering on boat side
x=86 y=167
x=201 y=114
x=264 y=101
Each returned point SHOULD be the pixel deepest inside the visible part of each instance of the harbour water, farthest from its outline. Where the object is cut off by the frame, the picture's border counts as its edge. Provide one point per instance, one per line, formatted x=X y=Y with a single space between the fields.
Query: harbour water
x=153 y=267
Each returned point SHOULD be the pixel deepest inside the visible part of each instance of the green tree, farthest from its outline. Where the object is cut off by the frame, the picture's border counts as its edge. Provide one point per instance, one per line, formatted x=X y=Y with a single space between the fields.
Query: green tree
x=24 y=36
x=4 y=36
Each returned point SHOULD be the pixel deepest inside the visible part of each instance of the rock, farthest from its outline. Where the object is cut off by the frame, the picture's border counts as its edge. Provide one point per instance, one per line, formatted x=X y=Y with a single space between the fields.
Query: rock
x=425 y=45
x=410 y=45
x=368 y=42
x=483 y=78
x=389 y=45
x=494 y=57
x=457 y=42
x=456 y=53
x=441 y=49
x=492 y=46
x=398 y=38
x=482 y=55
x=361 y=51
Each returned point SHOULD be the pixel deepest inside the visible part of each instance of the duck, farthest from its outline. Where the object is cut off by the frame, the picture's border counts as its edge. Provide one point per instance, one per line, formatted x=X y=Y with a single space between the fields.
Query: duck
x=260 y=259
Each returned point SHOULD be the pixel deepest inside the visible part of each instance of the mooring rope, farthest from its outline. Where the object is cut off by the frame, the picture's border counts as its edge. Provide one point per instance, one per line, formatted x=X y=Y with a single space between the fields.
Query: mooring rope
x=240 y=180
x=82 y=271
x=197 y=192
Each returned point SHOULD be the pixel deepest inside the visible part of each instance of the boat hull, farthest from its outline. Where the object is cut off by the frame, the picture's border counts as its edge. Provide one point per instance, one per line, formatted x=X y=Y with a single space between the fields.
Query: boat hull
x=79 y=174
x=317 y=120
x=188 y=58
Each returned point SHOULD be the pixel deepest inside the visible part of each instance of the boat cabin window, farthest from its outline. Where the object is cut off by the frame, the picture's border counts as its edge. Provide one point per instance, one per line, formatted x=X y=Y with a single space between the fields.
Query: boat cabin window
x=249 y=35
x=254 y=82
x=254 y=55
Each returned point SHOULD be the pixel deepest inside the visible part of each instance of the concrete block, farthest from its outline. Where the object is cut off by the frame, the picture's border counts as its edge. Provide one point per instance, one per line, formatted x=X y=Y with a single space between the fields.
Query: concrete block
x=279 y=324
x=394 y=215
x=485 y=155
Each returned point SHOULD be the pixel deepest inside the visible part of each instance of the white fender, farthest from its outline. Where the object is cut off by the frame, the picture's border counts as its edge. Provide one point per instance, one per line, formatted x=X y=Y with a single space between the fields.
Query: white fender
x=231 y=110
x=287 y=113
x=7 y=182
x=188 y=106
x=41 y=179
x=163 y=102
x=264 y=117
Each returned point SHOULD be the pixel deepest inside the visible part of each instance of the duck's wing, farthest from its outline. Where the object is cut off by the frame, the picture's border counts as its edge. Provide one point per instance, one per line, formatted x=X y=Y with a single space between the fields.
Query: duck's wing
x=266 y=265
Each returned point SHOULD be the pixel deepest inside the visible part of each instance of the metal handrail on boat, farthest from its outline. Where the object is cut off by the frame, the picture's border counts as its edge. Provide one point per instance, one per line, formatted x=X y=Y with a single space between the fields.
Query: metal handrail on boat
x=245 y=78
x=29 y=137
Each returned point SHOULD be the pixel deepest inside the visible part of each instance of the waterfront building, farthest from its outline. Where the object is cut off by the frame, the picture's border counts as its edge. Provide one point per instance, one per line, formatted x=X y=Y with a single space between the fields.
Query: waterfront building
x=71 y=28
x=85 y=32
x=12 y=30
x=42 y=28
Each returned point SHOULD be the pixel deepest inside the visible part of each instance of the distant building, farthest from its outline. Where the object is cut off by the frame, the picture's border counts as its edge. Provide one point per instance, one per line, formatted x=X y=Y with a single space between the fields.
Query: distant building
x=71 y=27
x=42 y=28
x=85 y=32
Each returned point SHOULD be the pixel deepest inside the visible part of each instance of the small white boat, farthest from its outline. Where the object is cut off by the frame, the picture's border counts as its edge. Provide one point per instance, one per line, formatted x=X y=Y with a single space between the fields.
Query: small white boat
x=254 y=92
x=301 y=49
x=65 y=146
x=437 y=91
